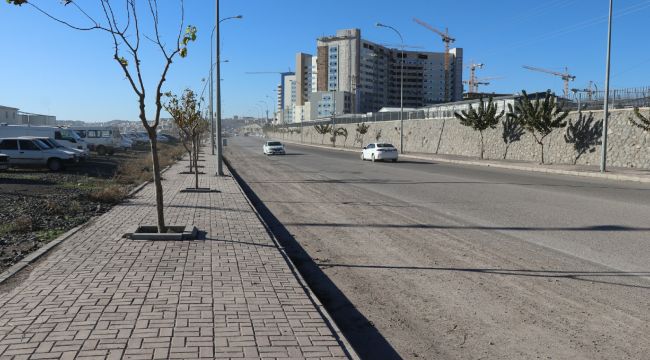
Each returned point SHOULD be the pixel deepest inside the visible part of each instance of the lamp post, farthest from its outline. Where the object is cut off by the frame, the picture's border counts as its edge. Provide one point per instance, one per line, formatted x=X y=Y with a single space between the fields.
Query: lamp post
x=267 y=109
x=401 y=88
x=603 y=153
x=218 y=75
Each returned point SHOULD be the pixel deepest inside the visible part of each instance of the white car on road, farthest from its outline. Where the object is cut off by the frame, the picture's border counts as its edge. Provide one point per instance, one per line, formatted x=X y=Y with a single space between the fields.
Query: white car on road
x=273 y=147
x=379 y=151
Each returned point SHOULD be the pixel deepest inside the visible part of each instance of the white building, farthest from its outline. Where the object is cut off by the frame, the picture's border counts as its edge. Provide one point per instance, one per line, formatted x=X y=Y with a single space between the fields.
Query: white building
x=13 y=116
x=9 y=115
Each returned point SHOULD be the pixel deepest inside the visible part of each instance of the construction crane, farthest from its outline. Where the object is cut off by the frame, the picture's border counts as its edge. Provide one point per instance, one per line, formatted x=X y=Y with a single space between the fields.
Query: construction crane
x=481 y=81
x=565 y=76
x=472 y=85
x=447 y=40
x=589 y=91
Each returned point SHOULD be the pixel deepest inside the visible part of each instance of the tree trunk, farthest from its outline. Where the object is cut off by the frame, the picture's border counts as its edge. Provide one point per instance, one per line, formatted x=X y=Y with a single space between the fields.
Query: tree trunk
x=575 y=161
x=189 y=152
x=196 y=164
x=157 y=180
x=541 y=145
x=481 y=132
x=505 y=154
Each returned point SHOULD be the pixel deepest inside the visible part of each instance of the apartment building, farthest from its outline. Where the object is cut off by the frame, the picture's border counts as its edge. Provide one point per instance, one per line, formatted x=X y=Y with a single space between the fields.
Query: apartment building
x=352 y=75
x=372 y=72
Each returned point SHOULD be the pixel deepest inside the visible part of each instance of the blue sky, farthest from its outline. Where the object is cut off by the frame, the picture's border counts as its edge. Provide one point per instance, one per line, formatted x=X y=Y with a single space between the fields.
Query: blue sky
x=48 y=68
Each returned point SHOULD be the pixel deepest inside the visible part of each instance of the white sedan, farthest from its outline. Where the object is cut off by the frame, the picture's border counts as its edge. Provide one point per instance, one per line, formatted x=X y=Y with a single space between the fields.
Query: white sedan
x=379 y=151
x=273 y=147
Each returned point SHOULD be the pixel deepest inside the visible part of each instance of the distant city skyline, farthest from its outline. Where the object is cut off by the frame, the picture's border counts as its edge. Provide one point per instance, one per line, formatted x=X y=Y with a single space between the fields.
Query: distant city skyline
x=70 y=74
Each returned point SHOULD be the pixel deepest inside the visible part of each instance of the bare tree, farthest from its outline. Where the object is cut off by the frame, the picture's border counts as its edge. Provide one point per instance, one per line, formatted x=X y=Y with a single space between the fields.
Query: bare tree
x=127 y=36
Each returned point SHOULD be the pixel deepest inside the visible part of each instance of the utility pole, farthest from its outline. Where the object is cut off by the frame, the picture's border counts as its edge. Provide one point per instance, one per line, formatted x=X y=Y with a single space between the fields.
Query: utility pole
x=218 y=76
x=212 y=93
x=401 y=88
x=603 y=157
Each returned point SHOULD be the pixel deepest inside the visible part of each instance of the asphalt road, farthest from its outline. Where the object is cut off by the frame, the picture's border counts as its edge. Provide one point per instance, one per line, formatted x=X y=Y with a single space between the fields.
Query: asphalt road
x=436 y=261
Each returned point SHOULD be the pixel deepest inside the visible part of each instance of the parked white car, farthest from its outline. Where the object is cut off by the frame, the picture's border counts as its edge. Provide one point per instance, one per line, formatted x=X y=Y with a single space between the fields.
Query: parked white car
x=4 y=162
x=53 y=144
x=379 y=151
x=273 y=147
x=33 y=152
x=66 y=137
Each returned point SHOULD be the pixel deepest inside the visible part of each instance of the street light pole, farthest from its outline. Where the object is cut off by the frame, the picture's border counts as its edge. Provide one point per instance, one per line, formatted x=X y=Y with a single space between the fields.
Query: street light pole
x=212 y=91
x=603 y=153
x=401 y=88
x=218 y=80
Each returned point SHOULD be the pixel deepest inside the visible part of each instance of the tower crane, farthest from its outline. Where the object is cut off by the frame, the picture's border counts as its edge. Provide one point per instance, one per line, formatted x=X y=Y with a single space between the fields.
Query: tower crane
x=447 y=40
x=472 y=85
x=482 y=81
x=565 y=76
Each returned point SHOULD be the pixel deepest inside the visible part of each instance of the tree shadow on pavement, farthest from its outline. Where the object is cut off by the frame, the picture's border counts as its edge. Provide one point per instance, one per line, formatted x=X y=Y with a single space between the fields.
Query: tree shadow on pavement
x=366 y=340
x=589 y=276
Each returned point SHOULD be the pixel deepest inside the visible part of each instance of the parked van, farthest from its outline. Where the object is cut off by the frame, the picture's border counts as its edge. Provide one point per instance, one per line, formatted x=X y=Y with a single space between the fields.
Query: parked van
x=103 y=139
x=64 y=136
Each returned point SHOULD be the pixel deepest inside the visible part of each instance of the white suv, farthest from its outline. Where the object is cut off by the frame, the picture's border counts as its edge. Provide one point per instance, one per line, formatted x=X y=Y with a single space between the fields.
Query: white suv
x=33 y=152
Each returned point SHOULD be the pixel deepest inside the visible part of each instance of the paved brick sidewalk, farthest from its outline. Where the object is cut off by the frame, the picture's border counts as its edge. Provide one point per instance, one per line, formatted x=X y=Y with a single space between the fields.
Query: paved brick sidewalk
x=232 y=295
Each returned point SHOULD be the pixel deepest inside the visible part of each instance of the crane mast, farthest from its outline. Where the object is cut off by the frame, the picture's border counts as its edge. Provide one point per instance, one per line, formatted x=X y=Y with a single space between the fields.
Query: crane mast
x=447 y=40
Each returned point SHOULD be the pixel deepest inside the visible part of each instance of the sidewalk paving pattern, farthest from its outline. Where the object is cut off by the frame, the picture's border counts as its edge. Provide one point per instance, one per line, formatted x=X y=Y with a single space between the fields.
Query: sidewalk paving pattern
x=232 y=295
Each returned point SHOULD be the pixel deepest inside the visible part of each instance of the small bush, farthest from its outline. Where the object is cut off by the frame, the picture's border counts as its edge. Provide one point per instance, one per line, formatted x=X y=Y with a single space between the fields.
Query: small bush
x=22 y=224
x=109 y=195
x=54 y=207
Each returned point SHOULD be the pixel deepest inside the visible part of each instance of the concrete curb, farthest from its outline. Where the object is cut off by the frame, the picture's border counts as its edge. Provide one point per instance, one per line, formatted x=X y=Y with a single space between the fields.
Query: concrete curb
x=349 y=350
x=597 y=175
x=32 y=257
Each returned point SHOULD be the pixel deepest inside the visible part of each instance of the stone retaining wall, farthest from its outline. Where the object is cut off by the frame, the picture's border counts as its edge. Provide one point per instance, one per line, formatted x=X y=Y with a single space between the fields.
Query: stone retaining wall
x=628 y=146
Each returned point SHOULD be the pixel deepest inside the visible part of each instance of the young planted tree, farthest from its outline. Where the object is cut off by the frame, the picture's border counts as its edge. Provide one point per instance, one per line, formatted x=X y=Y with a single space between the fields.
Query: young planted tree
x=538 y=117
x=641 y=121
x=124 y=26
x=186 y=113
x=336 y=133
x=323 y=129
x=362 y=130
x=377 y=135
x=480 y=119
x=584 y=134
x=512 y=132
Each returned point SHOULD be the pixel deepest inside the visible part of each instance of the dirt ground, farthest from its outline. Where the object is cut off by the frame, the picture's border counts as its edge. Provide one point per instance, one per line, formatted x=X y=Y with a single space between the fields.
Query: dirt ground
x=36 y=205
